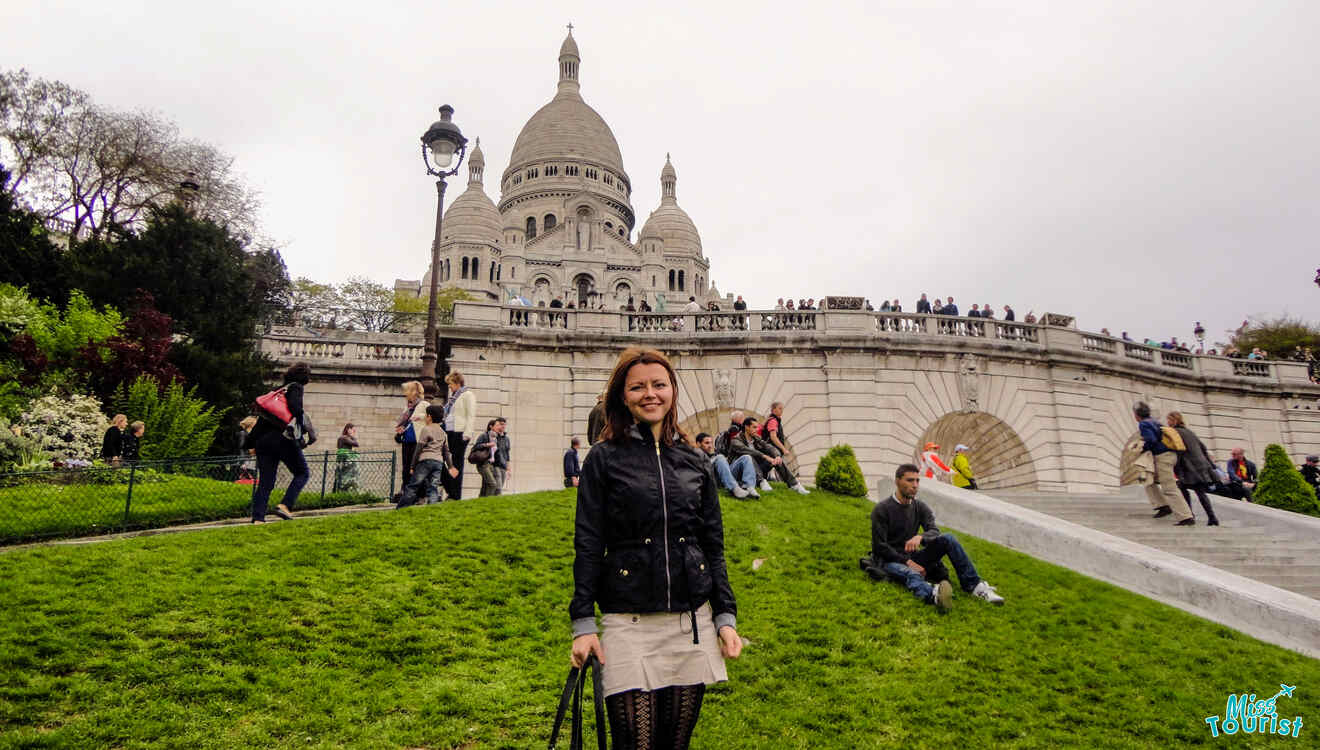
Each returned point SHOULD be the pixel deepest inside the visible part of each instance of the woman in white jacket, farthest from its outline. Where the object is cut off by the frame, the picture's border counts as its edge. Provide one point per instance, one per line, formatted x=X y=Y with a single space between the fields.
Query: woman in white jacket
x=461 y=425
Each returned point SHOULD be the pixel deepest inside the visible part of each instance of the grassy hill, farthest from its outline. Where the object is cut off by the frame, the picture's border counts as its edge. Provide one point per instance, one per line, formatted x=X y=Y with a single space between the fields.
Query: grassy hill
x=446 y=627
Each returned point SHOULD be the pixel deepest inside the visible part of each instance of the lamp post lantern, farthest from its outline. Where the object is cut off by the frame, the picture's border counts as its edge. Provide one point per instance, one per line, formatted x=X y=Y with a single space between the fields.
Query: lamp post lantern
x=1199 y=333
x=442 y=144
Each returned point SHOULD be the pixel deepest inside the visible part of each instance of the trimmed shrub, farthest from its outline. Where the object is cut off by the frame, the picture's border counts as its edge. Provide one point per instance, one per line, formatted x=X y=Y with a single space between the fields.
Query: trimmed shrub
x=1283 y=486
x=840 y=473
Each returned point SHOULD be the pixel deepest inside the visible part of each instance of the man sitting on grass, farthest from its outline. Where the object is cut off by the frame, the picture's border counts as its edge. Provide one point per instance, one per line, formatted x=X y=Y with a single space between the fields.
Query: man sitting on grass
x=738 y=477
x=902 y=554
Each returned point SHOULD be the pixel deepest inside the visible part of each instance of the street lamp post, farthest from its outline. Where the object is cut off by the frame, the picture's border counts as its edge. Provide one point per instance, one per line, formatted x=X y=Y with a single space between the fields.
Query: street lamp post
x=1199 y=333
x=444 y=142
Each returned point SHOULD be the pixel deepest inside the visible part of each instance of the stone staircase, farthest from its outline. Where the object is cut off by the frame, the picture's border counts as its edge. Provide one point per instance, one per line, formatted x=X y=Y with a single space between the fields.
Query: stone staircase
x=1257 y=543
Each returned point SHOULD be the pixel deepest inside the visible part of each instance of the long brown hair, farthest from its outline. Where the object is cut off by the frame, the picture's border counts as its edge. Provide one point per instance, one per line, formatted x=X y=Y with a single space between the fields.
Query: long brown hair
x=617 y=417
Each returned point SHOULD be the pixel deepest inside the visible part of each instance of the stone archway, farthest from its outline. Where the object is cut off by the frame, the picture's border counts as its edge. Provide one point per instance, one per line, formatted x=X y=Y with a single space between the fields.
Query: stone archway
x=713 y=420
x=997 y=454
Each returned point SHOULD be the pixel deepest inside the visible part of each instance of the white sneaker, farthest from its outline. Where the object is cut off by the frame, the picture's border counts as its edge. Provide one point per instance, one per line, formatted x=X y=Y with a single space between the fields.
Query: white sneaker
x=941 y=595
x=751 y=492
x=987 y=592
x=764 y=486
x=798 y=488
x=739 y=492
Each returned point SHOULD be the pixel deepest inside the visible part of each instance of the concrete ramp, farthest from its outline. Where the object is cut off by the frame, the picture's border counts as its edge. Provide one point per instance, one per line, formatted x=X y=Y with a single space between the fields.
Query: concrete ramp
x=1259 y=572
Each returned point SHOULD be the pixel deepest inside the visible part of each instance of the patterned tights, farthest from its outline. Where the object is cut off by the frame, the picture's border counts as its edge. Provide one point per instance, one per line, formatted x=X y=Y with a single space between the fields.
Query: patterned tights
x=656 y=720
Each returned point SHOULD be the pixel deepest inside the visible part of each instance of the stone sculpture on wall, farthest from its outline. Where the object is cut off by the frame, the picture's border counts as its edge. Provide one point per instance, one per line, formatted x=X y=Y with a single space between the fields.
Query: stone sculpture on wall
x=969 y=382
x=723 y=388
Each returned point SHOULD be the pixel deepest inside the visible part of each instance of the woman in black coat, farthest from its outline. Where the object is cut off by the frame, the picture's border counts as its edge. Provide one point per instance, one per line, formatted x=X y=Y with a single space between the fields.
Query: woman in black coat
x=273 y=448
x=649 y=540
x=112 y=445
x=1195 y=468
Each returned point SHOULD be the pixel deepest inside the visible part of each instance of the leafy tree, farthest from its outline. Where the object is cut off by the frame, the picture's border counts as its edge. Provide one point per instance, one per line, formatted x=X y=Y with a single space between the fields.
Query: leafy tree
x=142 y=349
x=28 y=257
x=97 y=168
x=1279 y=337
x=838 y=471
x=1283 y=486
x=60 y=335
x=178 y=424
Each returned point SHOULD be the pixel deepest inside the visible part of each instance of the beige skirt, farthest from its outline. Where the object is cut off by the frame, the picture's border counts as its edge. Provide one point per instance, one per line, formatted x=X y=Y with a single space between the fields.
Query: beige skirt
x=653 y=651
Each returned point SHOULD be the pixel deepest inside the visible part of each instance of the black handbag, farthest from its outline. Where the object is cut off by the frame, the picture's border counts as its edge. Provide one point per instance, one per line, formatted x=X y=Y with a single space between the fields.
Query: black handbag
x=573 y=689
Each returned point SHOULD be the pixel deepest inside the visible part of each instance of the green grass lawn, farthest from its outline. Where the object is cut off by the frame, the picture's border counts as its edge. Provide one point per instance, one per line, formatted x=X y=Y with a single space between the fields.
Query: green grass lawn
x=446 y=627
x=44 y=510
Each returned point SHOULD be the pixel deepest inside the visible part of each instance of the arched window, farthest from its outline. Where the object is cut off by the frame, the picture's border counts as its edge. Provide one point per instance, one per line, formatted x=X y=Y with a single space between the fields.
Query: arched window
x=444 y=271
x=476 y=269
x=671 y=281
x=621 y=234
x=465 y=264
x=549 y=222
x=680 y=281
x=652 y=281
x=499 y=272
x=531 y=227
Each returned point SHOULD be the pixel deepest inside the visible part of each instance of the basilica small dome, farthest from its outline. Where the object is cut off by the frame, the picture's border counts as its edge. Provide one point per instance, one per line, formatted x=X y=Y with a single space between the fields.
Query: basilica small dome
x=670 y=223
x=472 y=216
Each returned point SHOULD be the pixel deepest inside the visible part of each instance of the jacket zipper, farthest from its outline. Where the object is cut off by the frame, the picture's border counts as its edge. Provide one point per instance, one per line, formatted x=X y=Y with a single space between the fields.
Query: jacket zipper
x=664 y=510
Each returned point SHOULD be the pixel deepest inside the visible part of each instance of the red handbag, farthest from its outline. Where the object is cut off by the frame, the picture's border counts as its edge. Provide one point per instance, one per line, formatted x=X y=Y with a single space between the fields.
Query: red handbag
x=276 y=405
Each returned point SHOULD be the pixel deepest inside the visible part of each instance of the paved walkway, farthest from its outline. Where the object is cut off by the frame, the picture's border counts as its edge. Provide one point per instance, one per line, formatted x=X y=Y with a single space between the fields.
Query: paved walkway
x=1263 y=544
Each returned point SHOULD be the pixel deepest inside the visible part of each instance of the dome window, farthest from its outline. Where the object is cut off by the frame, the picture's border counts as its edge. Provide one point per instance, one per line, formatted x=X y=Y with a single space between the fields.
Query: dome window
x=592 y=174
x=671 y=277
x=465 y=268
x=680 y=282
x=551 y=171
x=533 y=172
x=571 y=171
x=531 y=227
x=548 y=222
x=609 y=225
x=621 y=234
x=609 y=180
x=492 y=272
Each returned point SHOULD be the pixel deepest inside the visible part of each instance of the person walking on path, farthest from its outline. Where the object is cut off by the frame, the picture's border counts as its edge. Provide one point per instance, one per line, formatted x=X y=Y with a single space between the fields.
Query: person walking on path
x=490 y=481
x=1163 y=493
x=112 y=445
x=273 y=448
x=899 y=552
x=432 y=459
x=461 y=427
x=572 y=467
x=410 y=421
x=932 y=463
x=649 y=551
x=962 y=469
x=502 y=454
x=1195 y=468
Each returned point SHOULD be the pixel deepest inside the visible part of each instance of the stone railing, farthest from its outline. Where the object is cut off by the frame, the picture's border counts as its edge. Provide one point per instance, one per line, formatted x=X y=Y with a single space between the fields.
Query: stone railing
x=822 y=324
x=345 y=348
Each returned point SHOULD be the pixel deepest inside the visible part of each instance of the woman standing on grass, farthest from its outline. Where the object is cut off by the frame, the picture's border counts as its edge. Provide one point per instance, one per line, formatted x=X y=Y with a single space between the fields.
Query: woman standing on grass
x=112 y=445
x=650 y=552
x=273 y=448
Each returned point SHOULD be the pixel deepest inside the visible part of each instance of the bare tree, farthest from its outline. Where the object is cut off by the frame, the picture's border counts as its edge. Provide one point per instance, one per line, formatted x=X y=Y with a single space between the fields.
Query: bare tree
x=93 y=167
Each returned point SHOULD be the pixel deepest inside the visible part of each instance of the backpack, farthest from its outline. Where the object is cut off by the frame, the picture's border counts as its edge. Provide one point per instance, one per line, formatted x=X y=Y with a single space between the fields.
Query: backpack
x=722 y=444
x=1171 y=439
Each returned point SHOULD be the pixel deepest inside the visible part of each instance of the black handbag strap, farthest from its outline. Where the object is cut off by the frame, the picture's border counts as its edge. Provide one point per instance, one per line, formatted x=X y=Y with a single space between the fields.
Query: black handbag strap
x=574 y=687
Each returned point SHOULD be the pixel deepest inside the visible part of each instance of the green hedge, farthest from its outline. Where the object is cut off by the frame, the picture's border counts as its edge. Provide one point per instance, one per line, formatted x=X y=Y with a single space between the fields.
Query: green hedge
x=1283 y=486
x=839 y=472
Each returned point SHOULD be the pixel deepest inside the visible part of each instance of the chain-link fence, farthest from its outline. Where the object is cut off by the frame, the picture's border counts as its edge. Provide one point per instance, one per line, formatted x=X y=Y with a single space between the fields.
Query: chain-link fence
x=151 y=494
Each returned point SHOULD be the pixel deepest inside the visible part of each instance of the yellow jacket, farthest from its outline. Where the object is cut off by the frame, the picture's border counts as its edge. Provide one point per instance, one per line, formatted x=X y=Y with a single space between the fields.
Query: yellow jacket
x=962 y=471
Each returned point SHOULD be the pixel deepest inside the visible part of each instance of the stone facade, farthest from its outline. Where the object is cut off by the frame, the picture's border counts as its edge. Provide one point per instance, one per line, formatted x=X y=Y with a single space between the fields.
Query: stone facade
x=564 y=223
x=1041 y=406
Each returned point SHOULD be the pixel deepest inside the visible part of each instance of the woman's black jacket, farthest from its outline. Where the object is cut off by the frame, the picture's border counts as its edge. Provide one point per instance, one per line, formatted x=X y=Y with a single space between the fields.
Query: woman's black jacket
x=265 y=425
x=648 y=532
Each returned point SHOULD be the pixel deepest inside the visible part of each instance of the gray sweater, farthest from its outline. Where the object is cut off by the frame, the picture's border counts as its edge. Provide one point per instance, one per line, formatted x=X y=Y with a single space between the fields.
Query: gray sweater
x=893 y=523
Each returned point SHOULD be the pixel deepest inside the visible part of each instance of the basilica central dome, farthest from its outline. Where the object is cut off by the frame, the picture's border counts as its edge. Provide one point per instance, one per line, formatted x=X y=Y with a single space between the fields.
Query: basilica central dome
x=568 y=129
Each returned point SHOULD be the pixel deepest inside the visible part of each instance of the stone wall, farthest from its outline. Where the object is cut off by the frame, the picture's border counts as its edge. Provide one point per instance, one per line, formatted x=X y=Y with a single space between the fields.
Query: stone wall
x=1040 y=406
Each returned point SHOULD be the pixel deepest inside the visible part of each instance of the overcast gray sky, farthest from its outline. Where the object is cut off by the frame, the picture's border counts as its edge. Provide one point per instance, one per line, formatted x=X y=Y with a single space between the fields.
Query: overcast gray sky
x=1139 y=165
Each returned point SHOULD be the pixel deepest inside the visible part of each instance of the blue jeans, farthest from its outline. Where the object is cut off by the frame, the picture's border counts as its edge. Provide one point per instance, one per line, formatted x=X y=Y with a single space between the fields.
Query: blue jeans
x=742 y=466
x=928 y=557
x=272 y=450
x=424 y=475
